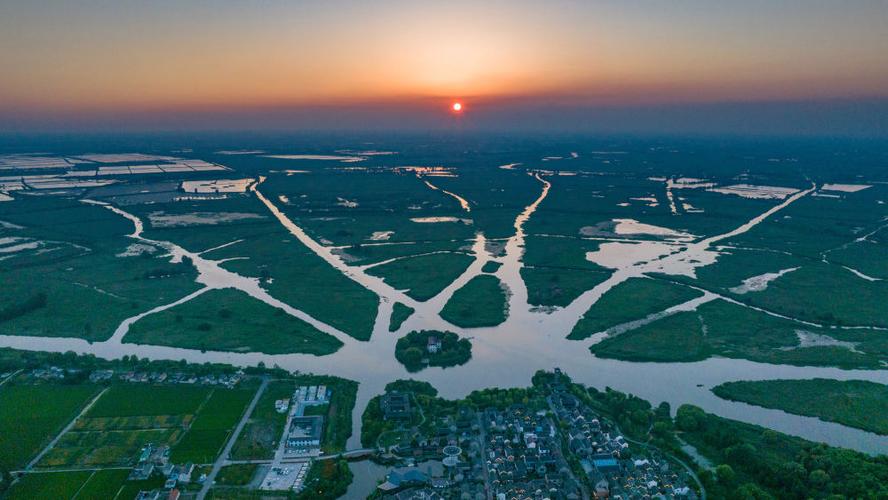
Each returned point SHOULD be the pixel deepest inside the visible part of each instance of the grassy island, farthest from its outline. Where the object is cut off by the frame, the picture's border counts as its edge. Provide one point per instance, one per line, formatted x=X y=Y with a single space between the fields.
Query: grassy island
x=481 y=302
x=400 y=313
x=855 y=403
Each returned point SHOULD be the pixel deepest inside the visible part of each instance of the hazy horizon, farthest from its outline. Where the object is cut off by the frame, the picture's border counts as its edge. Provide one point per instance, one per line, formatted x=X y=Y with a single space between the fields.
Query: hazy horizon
x=795 y=68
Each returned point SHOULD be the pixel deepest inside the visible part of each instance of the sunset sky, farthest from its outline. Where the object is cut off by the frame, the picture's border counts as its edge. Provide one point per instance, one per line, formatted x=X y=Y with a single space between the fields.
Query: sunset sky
x=173 y=62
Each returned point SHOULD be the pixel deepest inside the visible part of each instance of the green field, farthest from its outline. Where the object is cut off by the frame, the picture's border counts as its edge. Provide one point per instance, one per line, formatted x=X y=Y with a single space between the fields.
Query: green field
x=424 y=276
x=264 y=249
x=132 y=488
x=491 y=267
x=634 y=299
x=674 y=338
x=49 y=485
x=810 y=294
x=869 y=256
x=480 y=302
x=369 y=253
x=74 y=485
x=236 y=475
x=208 y=432
x=128 y=400
x=264 y=429
x=123 y=420
x=103 y=485
x=736 y=331
x=400 y=313
x=855 y=403
x=31 y=415
x=107 y=447
x=230 y=320
x=79 y=273
x=556 y=270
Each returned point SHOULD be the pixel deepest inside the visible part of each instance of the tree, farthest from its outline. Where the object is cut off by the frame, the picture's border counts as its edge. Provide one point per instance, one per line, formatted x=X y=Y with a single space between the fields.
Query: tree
x=751 y=491
x=726 y=475
x=412 y=356
x=819 y=478
x=688 y=418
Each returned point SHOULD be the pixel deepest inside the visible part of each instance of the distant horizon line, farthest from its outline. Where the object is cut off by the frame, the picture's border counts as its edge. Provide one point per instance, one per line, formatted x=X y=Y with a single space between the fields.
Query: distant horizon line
x=847 y=116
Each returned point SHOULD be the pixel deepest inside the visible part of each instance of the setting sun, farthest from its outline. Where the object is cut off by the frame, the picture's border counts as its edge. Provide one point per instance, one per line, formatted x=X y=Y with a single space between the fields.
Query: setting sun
x=456 y=107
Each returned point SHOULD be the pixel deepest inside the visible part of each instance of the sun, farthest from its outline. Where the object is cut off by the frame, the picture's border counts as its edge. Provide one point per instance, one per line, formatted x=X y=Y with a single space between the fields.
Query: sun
x=456 y=107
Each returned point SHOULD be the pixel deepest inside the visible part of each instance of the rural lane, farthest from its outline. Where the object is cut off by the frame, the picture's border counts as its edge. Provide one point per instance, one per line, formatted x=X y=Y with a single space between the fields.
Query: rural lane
x=220 y=461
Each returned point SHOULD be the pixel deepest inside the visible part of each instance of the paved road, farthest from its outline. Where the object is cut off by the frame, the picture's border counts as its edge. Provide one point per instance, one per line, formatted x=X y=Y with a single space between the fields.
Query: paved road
x=73 y=421
x=10 y=377
x=223 y=457
x=360 y=452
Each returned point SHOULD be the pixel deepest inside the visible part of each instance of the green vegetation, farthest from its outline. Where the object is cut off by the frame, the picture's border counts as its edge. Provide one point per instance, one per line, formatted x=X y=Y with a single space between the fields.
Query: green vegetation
x=423 y=276
x=428 y=409
x=31 y=415
x=556 y=270
x=289 y=270
x=75 y=272
x=855 y=403
x=338 y=421
x=869 y=256
x=809 y=294
x=491 y=266
x=130 y=400
x=634 y=299
x=326 y=479
x=230 y=320
x=305 y=281
x=481 y=302
x=132 y=488
x=400 y=313
x=678 y=337
x=124 y=419
x=55 y=485
x=754 y=462
x=103 y=484
x=30 y=304
x=80 y=485
x=260 y=436
x=207 y=434
x=363 y=254
x=412 y=350
x=376 y=429
x=736 y=331
x=236 y=475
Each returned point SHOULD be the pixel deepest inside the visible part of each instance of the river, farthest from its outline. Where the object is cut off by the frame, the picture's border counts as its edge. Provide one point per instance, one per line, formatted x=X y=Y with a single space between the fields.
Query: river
x=503 y=356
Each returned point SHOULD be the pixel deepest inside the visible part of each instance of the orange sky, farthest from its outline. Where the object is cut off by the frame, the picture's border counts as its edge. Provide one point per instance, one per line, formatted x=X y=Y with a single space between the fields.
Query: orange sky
x=102 y=55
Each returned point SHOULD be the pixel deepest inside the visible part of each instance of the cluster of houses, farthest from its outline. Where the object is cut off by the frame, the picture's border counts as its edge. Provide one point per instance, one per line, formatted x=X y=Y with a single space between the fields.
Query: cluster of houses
x=48 y=373
x=224 y=380
x=523 y=451
x=523 y=456
x=502 y=454
x=603 y=455
x=156 y=460
x=51 y=373
x=449 y=454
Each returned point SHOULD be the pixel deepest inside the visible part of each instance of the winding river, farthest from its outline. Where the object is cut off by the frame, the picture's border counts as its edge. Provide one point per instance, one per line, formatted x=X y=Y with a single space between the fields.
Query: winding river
x=503 y=356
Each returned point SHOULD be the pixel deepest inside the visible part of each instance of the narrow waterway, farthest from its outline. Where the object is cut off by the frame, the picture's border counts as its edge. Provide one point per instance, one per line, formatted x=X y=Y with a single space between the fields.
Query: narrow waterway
x=503 y=356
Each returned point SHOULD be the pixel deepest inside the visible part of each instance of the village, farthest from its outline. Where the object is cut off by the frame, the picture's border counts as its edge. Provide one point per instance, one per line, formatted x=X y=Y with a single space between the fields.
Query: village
x=54 y=373
x=300 y=443
x=524 y=450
